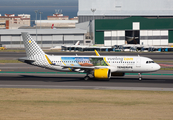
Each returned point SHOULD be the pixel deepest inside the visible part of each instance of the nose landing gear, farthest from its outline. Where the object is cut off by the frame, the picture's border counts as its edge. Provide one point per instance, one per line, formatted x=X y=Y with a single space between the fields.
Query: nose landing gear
x=140 y=76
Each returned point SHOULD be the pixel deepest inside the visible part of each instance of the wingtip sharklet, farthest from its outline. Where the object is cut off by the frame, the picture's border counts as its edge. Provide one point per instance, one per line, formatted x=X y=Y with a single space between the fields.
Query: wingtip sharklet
x=97 y=54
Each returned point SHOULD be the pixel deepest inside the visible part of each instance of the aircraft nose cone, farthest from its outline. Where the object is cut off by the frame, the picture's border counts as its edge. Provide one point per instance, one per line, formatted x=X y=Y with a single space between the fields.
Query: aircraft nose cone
x=158 y=67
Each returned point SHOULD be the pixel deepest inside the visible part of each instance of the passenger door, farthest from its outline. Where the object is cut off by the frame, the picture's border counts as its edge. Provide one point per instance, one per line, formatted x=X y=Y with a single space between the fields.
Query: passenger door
x=138 y=62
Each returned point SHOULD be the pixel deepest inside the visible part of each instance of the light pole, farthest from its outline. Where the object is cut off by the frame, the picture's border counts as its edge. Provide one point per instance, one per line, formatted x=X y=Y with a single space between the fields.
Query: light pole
x=36 y=11
x=92 y=10
x=40 y=18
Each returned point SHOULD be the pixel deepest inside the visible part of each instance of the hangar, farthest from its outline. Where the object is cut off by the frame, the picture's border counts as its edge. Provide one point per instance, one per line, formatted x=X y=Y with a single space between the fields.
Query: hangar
x=46 y=38
x=134 y=30
x=118 y=22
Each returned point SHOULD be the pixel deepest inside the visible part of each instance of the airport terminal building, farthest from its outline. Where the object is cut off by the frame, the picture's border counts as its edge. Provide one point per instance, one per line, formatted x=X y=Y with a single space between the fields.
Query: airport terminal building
x=118 y=22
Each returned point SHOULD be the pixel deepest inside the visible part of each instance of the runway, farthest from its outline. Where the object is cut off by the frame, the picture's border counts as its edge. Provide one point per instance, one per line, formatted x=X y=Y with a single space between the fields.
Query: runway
x=75 y=81
x=20 y=75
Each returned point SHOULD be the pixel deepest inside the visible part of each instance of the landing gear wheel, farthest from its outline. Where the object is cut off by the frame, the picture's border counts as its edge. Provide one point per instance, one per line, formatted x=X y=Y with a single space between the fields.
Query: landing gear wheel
x=86 y=78
x=140 y=76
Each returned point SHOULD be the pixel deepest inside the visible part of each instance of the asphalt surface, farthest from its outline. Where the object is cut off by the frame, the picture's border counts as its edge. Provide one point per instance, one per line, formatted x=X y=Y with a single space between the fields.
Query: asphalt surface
x=35 y=77
x=75 y=81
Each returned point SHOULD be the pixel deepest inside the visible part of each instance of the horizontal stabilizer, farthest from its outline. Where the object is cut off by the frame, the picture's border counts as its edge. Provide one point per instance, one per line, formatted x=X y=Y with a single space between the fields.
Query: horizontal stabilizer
x=26 y=60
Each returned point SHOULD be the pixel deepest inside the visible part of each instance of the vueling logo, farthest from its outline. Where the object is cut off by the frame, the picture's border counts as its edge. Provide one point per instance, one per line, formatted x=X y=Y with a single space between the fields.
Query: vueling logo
x=128 y=58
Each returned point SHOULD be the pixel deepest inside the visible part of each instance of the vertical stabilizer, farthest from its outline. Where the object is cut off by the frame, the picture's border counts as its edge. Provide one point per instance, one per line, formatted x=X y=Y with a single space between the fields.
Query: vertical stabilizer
x=77 y=43
x=31 y=47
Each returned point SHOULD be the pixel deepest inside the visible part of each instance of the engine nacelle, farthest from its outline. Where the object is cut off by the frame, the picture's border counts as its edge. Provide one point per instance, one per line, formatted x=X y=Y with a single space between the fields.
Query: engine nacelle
x=117 y=74
x=103 y=73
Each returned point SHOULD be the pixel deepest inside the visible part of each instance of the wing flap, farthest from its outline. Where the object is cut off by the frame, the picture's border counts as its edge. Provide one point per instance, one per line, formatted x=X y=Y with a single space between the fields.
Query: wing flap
x=78 y=67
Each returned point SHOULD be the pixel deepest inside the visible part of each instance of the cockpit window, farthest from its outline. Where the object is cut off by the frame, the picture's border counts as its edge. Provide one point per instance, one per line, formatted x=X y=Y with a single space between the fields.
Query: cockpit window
x=149 y=62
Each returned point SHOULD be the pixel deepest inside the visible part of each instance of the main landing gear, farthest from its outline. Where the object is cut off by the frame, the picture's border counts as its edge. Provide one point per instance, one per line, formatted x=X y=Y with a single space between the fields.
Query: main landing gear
x=140 y=77
x=87 y=77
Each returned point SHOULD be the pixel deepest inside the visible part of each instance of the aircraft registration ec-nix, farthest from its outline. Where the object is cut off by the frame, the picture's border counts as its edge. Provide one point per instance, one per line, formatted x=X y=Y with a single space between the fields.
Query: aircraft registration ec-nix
x=99 y=67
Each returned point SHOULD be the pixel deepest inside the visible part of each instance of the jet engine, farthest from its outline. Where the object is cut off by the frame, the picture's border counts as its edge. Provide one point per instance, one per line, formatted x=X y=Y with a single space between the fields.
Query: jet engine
x=103 y=73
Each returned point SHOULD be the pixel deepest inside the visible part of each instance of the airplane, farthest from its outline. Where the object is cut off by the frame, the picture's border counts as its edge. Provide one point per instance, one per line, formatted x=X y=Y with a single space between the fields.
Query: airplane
x=77 y=43
x=132 y=38
x=67 y=46
x=98 y=67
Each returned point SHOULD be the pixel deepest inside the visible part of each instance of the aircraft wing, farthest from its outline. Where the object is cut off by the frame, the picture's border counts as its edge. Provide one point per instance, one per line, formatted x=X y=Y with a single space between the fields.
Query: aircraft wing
x=89 y=68
x=81 y=67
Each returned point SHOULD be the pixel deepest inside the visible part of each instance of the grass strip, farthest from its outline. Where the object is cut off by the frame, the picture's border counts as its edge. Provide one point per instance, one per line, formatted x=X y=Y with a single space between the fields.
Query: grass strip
x=61 y=104
x=9 y=50
x=18 y=51
x=10 y=61
x=167 y=68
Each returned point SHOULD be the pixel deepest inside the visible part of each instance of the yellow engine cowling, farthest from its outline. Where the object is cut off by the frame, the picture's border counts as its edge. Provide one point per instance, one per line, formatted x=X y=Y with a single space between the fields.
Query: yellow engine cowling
x=103 y=73
x=117 y=74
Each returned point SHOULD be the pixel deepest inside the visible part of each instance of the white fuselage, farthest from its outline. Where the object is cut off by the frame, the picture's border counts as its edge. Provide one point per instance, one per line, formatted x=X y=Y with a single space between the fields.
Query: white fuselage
x=130 y=64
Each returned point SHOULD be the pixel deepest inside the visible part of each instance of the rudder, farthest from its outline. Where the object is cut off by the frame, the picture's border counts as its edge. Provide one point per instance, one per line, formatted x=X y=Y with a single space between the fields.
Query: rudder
x=31 y=47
